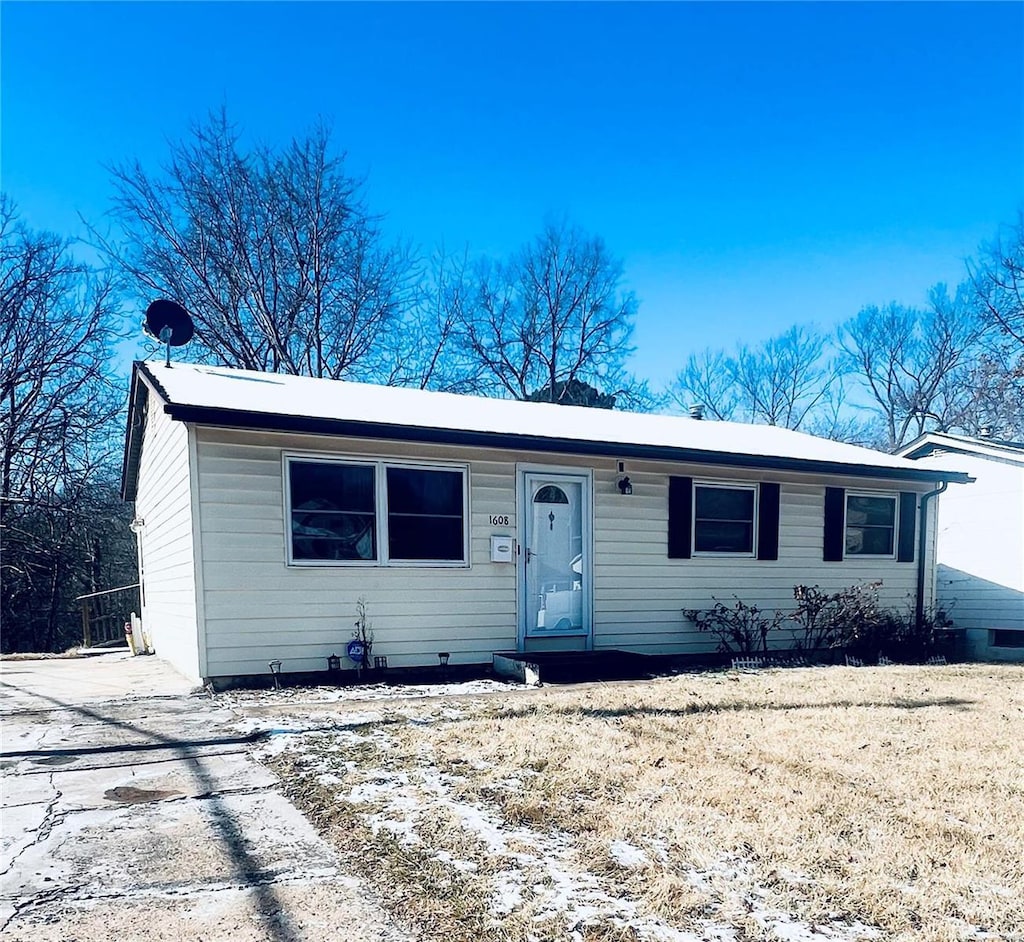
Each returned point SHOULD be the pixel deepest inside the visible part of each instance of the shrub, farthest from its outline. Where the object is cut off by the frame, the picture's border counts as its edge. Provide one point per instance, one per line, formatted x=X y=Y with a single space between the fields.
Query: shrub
x=834 y=620
x=852 y=618
x=740 y=629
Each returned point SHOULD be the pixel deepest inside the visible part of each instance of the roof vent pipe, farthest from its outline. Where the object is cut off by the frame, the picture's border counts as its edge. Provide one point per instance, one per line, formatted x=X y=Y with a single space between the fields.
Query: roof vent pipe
x=697 y=411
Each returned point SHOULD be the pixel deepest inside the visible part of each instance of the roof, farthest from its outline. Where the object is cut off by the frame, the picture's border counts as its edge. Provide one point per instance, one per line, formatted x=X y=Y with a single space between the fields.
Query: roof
x=939 y=443
x=232 y=398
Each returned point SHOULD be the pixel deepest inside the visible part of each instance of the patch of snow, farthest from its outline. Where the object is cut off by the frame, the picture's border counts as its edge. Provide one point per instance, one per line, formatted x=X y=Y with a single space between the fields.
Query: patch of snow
x=626 y=855
x=463 y=866
x=405 y=831
x=368 y=692
x=507 y=895
x=785 y=929
x=383 y=784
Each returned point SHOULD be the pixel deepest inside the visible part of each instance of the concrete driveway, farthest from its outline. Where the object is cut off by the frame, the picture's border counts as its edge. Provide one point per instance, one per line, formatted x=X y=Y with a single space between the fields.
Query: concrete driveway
x=134 y=809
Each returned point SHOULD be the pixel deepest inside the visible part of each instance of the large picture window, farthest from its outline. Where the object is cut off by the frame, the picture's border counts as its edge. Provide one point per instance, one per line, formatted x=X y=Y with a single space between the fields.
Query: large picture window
x=375 y=512
x=723 y=519
x=870 y=525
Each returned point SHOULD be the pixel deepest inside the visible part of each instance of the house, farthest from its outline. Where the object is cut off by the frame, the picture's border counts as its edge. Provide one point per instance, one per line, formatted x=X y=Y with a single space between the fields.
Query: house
x=980 y=571
x=267 y=506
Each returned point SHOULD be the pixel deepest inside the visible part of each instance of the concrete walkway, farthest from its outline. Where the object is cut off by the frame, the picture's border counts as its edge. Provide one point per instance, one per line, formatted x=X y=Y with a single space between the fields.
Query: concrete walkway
x=133 y=809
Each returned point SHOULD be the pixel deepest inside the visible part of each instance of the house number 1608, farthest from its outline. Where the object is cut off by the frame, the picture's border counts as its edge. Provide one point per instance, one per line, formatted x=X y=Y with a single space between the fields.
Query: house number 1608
x=498 y=520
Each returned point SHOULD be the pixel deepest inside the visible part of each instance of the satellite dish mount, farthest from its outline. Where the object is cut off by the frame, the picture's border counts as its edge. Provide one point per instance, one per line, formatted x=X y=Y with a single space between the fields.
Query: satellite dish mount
x=169 y=323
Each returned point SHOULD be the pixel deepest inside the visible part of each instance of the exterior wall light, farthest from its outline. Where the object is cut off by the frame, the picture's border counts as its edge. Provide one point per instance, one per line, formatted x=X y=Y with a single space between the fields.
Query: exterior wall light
x=625 y=486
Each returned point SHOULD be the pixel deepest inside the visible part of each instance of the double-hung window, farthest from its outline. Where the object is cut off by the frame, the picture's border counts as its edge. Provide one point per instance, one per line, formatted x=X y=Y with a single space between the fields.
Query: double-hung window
x=723 y=518
x=870 y=524
x=375 y=512
x=711 y=518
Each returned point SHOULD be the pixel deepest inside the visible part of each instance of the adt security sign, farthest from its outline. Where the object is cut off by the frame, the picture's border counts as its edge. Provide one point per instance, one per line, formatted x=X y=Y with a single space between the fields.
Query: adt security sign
x=356 y=651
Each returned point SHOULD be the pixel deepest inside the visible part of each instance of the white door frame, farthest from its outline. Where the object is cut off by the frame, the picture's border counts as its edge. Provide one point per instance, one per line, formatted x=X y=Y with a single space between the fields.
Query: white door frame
x=585 y=477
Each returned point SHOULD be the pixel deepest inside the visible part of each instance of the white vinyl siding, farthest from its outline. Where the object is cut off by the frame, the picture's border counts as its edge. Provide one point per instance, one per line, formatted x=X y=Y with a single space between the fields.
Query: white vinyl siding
x=980 y=575
x=258 y=608
x=166 y=541
x=640 y=593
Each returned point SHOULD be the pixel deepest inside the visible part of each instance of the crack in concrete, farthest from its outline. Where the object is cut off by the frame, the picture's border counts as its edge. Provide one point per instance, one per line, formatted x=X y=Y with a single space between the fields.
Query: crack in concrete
x=276 y=877
x=59 y=817
x=131 y=763
x=51 y=818
x=37 y=901
x=52 y=894
x=213 y=795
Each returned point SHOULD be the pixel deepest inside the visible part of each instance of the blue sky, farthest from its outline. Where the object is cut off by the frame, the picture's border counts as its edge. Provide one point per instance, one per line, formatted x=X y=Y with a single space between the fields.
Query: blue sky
x=753 y=165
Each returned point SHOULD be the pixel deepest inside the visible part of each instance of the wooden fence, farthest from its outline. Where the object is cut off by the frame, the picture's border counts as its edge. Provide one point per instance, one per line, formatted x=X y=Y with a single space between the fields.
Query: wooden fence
x=104 y=614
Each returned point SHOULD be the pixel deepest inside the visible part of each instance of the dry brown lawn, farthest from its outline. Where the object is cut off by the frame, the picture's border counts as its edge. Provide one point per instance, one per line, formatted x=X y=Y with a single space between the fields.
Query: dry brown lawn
x=843 y=803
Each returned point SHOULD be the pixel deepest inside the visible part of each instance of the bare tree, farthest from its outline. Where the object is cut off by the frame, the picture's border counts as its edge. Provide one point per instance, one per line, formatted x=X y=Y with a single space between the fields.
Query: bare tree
x=59 y=441
x=998 y=281
x=783 y=381
x=271 y=251
x=553 y=314
x=995 y=390
x=836 y=418
x=997 y=381
x=422 y=348
x=57 y=398
x=915 y=363
x=708 y=380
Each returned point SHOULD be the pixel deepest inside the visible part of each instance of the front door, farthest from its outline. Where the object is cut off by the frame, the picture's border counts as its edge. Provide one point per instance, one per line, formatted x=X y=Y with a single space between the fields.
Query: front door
x=555 y=558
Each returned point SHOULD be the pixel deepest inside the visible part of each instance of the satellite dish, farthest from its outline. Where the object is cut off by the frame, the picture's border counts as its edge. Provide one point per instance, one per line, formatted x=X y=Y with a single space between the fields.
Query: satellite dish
x=169 y=323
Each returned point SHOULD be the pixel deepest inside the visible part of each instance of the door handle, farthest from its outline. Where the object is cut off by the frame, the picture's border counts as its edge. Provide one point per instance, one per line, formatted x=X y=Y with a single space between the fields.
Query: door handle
x=529 y=555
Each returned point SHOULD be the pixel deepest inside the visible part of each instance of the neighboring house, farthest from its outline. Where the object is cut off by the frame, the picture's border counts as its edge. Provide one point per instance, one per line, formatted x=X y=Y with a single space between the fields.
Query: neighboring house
x=980 y=573
x=268 y=505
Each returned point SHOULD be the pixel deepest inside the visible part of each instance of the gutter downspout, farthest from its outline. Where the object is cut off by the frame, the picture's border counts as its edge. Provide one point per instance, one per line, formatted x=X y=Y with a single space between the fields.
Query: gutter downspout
x=922 y=552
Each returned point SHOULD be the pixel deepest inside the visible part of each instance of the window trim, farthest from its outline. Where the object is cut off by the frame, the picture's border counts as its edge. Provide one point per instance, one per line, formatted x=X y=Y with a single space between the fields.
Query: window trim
x=890 y=495
x=730 y=486
x=380 y=497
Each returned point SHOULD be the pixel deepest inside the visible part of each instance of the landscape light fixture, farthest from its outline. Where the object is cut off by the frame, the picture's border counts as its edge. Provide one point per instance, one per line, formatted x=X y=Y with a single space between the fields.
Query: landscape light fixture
x=625 y=486
x=334 y=663
x=275 y=670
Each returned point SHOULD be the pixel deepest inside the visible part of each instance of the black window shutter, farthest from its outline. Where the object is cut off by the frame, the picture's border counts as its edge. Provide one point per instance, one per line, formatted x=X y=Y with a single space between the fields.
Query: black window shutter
x=768 y=522
x=680 y=517
x=835 y=523
x=908 y=524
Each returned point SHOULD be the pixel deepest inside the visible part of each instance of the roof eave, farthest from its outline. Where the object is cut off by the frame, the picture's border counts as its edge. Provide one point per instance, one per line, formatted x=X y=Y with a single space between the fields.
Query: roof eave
x=137 y=403
x=273 y=422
